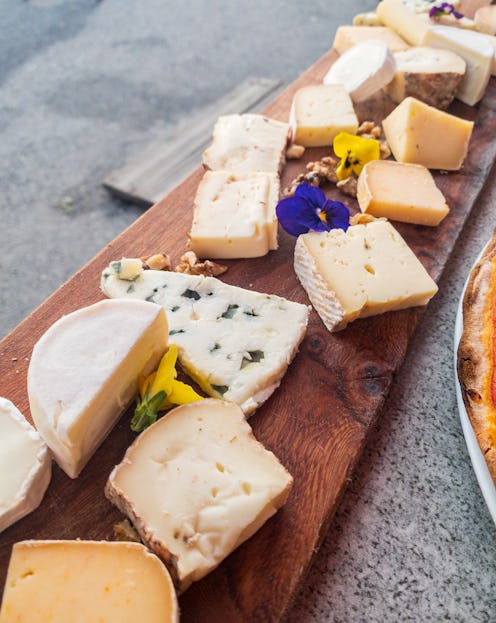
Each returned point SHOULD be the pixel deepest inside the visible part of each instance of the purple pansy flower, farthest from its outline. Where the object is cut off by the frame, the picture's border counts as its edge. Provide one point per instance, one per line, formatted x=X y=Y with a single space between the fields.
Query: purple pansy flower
x=445 y=8
x=308 y=209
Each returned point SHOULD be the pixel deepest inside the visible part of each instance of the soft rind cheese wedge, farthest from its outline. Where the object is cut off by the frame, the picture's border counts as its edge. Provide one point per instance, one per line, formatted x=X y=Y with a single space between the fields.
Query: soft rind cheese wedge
x=348 y=36
x=25 y=465
x=367 y=270
x=234 y=215
x=210 y=485
x=235 y=343
x=363 y=70
x=246 y=144
x=421 y=134
x=84 y=372
x=90 y=581
x=401 y=192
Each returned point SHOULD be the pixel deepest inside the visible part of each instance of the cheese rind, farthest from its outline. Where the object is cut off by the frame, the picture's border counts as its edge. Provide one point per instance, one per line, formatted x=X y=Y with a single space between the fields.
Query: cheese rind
x=84 y=372
x=210 y=486
x=90 y=581
x=348 y=36
x=25 y=465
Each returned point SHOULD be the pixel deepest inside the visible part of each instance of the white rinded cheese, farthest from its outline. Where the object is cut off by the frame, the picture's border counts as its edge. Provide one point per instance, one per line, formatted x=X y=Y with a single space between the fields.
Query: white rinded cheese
x=365 y=271
x=363 y=70
x=348 y=36
x=84 y=372
x=25 y=465
x=247 y=144
x=90 y=581
x=485 y=19
x=235 y=215
x=235 y=343
x=210 y=485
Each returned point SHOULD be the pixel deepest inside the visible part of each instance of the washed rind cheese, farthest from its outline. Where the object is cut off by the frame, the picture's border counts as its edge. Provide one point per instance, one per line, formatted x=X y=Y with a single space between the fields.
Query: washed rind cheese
x=25 y=465
x=367 y=270
x=84 y=372
x=210 y=485
x=90 y=581
x=348 y=36
x=235 y=343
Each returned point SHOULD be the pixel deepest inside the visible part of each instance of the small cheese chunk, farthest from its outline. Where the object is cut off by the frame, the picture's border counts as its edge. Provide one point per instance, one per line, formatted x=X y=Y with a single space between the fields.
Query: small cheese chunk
x=363 y=70
x=470 y=7
x=485 y=19
x=25 y=465
x=366 y=271
x=210 y=485
x=84 y=371
x=349 y=36
x=247 y=144
x=320 y=112
x=369 y=18
x=401 y=192
x=235 y=215
x=404 y=20
x=90 y=581
x=420 y=134
x=428 y=74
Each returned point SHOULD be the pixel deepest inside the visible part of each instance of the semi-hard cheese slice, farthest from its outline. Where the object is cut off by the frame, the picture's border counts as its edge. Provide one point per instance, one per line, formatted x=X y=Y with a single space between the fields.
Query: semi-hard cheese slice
x=90 y=581
x=367 y=270
x=235 y=215
x=401 y=192
x=235 y=343
x=348 y=36
x=421 y=134
x=84 y=371
x=246 y=144
x=404 y=20
x=196 y=484
x=25 y=465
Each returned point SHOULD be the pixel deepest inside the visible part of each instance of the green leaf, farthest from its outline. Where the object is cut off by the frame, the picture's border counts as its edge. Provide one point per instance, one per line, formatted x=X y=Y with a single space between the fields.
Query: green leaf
x=146 y=411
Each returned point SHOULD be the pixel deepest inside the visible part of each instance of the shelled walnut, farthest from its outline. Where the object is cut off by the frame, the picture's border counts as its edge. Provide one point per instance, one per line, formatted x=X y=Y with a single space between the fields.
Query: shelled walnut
x=192 y=266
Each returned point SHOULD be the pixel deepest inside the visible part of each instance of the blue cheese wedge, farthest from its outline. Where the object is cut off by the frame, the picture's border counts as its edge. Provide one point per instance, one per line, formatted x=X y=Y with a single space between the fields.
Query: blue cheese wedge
x=235 y=343
x=197 y=484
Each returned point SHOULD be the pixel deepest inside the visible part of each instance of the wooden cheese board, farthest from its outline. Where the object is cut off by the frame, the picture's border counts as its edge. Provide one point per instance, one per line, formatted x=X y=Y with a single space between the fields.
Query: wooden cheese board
x=316 y=422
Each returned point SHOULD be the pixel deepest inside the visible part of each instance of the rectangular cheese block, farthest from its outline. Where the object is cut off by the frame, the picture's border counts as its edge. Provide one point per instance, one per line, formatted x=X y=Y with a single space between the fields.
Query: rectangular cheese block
x=90 y=581
x=348 y=36
x=235 y=343
x=420 y=134
x=234 y=215
x=320 y=112
x=367 y=270
x=491 y=39
x=247 y=144
x=403 y=20
x=210 y=485
x=401 y=192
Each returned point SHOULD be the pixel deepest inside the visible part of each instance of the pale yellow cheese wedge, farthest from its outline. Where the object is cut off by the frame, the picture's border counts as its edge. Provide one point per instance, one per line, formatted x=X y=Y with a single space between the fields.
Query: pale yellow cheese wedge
x=403 y=20
x=401 y=192
x=348 y=36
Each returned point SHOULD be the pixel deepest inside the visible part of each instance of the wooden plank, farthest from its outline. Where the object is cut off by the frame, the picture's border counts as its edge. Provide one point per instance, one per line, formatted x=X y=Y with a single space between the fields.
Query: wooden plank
x=170 y=158
x=316 y=422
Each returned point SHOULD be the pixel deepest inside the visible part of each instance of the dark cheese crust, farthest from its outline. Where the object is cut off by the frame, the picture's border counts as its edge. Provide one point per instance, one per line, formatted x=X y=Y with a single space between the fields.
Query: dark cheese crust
x=475 y=358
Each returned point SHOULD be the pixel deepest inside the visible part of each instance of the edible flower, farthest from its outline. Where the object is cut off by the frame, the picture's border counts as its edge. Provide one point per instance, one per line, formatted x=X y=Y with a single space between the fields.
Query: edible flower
x=160 y=391
x=445 y=8
x=308 y=209
x=354 y=152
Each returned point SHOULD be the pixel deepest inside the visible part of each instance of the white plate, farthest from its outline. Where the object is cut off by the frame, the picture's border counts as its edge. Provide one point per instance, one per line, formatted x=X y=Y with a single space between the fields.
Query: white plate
x=479 y=464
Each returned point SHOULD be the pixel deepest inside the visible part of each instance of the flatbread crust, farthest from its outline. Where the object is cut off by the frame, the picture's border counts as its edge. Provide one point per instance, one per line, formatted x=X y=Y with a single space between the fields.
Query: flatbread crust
x=476 y=359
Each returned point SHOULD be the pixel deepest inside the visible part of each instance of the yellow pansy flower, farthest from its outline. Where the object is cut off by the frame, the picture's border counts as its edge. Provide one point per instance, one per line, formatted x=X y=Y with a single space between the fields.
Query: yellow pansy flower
x=354 y=152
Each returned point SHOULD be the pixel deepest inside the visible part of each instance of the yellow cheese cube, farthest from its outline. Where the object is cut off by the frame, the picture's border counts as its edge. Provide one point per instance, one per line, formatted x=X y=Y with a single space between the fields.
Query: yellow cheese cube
x=348 y=36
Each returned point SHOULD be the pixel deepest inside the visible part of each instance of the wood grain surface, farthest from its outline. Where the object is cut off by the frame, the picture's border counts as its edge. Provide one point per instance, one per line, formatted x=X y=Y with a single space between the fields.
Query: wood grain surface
x=316 y=422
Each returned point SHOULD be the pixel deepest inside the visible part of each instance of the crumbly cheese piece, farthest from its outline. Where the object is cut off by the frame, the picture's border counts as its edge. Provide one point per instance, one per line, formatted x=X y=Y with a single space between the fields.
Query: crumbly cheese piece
x=320 y=112
x=431 y=75
x=420 y=134
x=348 y=36
x=234 y=215
x=210 y=485
x=84 y=371
x=128 y=268
x=247 y=144
x=485 y=19
x=90 y=581
x=363 y=70
x=404 y=20
x=235 y=343
x=25 y=465
x=401 y=192
x=365 y=271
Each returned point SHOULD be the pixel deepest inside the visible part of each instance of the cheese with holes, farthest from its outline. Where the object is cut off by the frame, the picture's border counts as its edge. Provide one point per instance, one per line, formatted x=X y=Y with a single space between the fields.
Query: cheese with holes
x=320 y=112
x=210 y=485
x=401 y=192
x=235 y=343
x=84 y=372
x=234 y=215
x=348 y=36
x=90 y=581
x=367 y=270
x=420 y=134
x=246 y=144
x=25 y=465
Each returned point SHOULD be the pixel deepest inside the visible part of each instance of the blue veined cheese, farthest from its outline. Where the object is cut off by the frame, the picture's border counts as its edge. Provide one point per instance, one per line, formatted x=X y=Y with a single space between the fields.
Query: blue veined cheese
x=235 y=343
